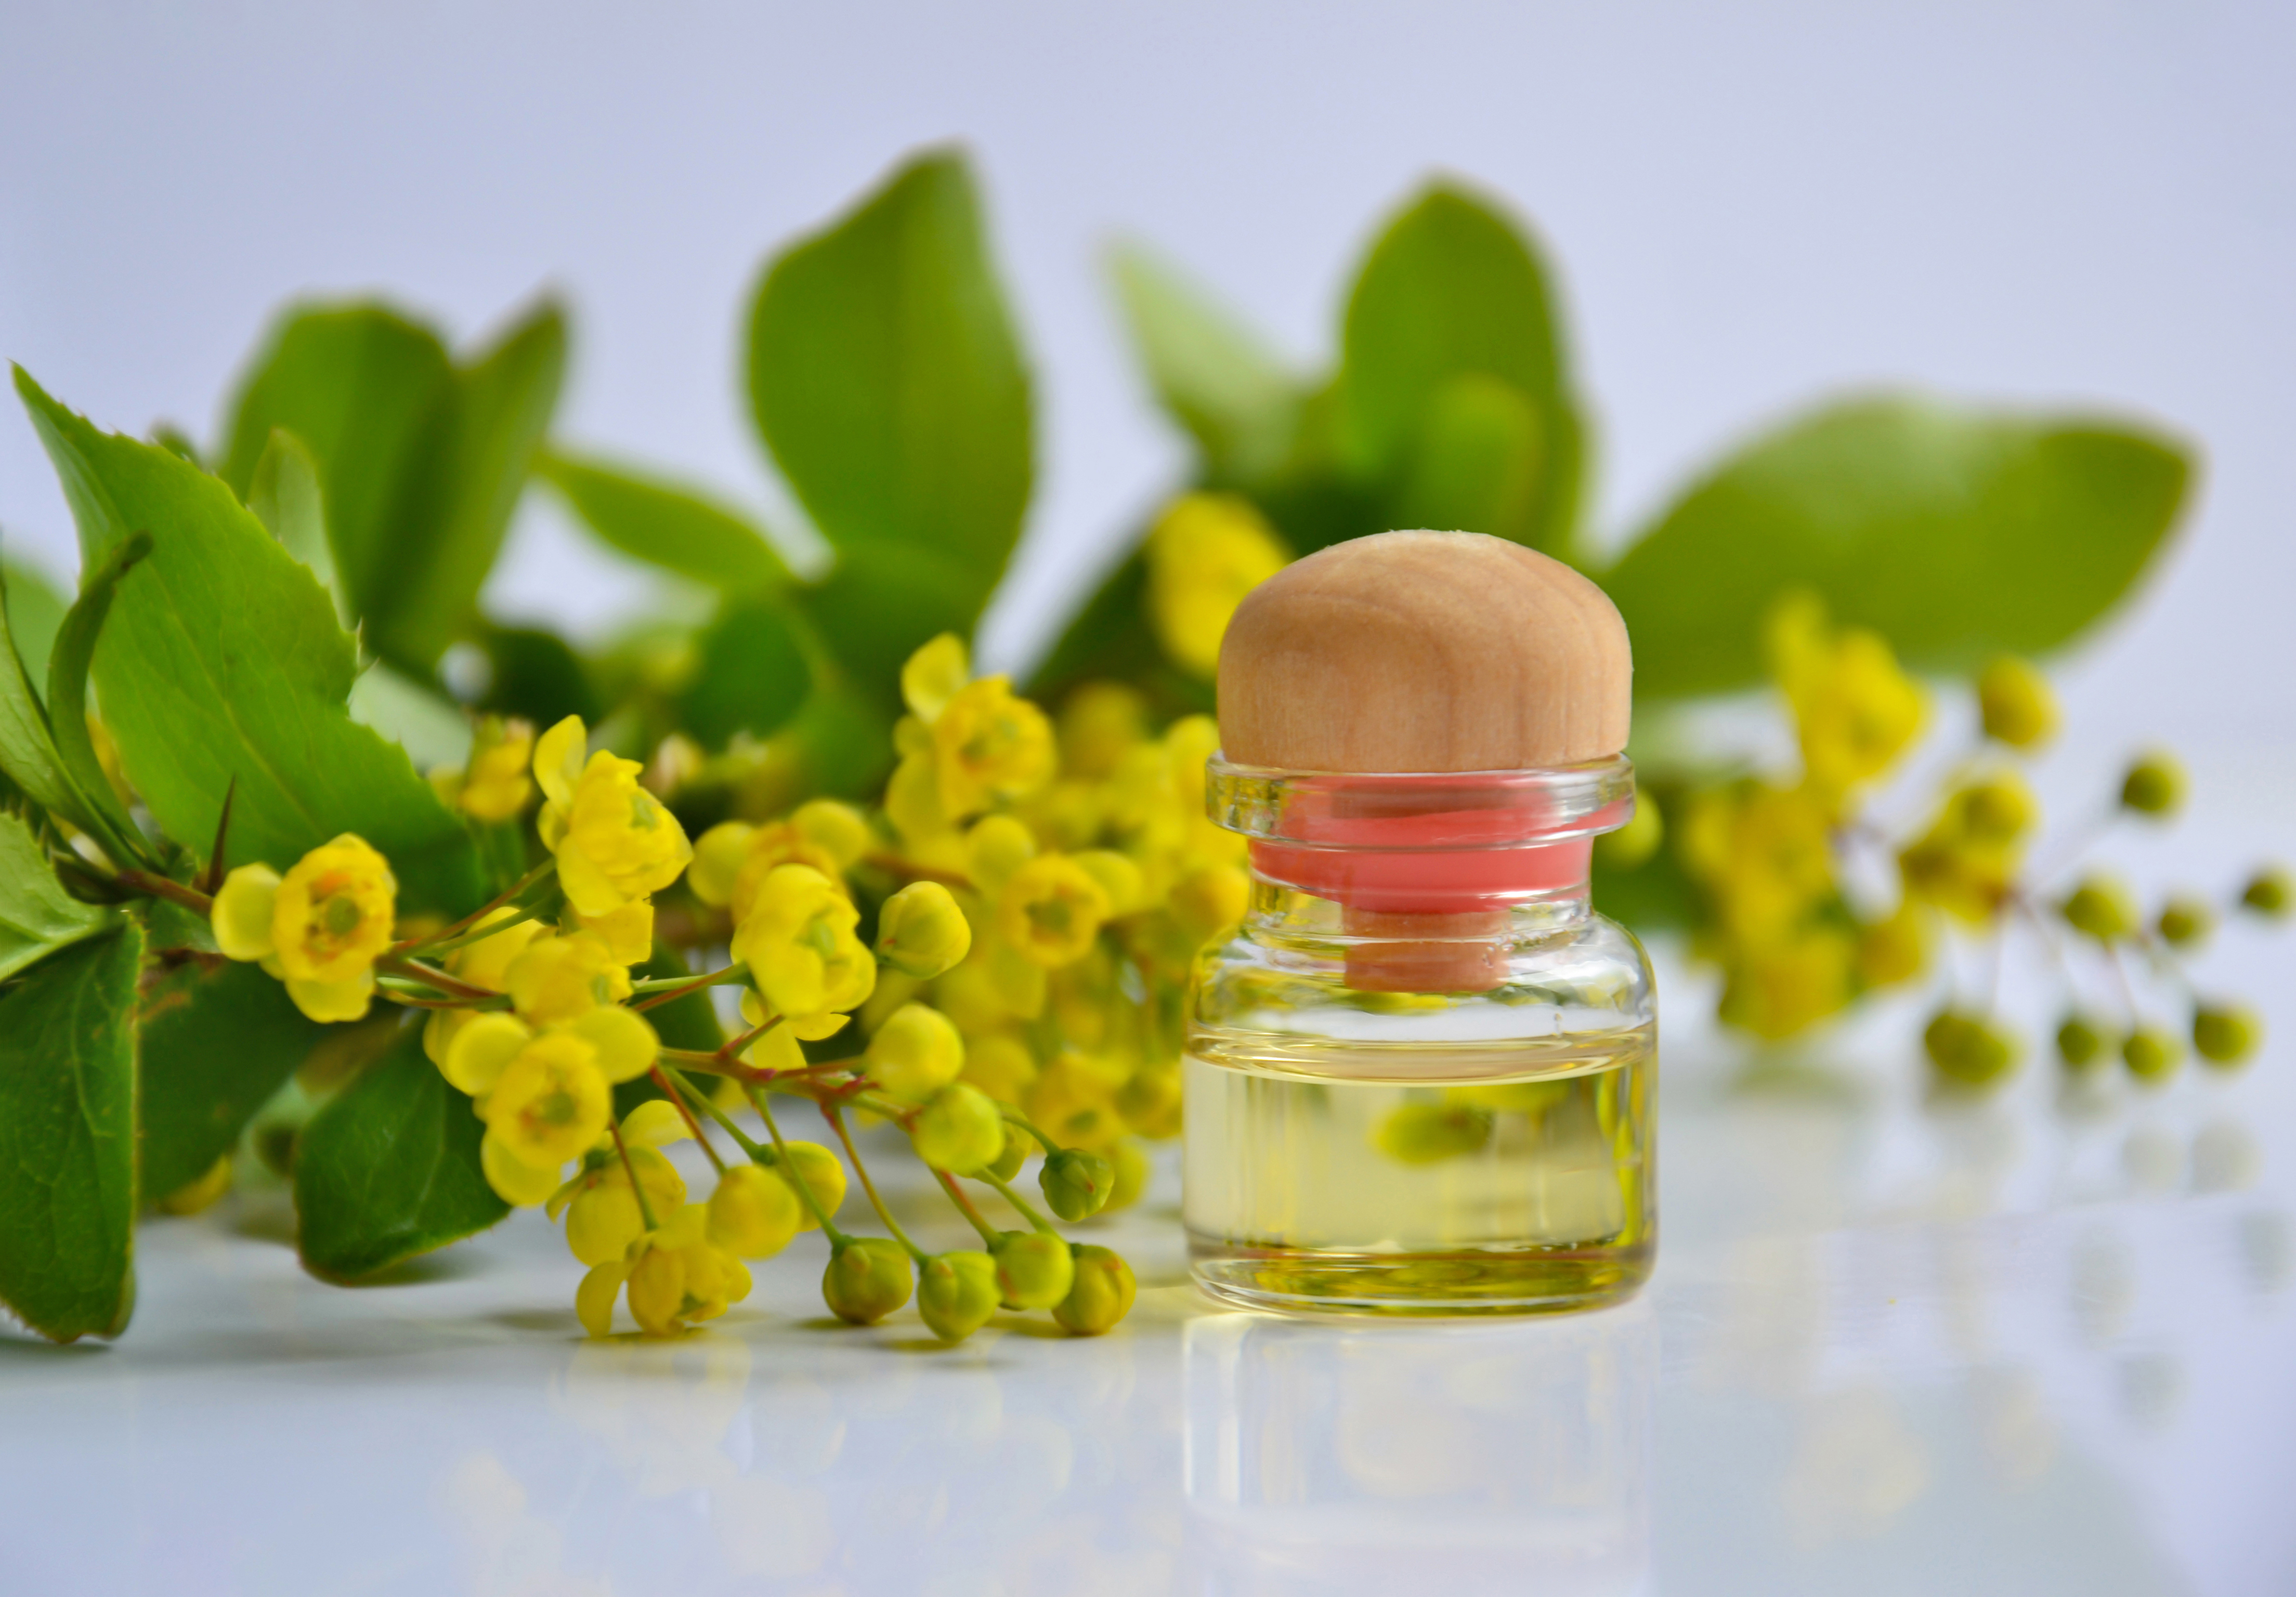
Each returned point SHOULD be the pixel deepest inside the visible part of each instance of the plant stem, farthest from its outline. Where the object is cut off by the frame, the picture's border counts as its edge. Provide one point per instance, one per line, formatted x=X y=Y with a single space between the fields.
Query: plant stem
x=836 y=1118
x=483 y=911
x=400 y=964
x=160 y=887
x=665 y=989
x=1017 y=1201
x=1013 y=1117
x=661 y=1080
x=989 y=1233
x=796 y=1177
x=895 y=865
x=645 y=1209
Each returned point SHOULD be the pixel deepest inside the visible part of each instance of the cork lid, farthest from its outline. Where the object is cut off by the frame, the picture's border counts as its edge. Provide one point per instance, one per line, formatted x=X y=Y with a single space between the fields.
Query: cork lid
x=1425 y=651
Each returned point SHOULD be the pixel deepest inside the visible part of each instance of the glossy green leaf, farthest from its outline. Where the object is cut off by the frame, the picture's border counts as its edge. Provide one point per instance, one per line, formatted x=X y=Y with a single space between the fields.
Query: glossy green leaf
x=29 y=756
x=886 y=379
x=424 y=586
x=223 y=663
x=1453 y=288
x=390 y=1169
x=1208 y=370
x=753 y=674
x=68 y=1140
x=67 y=711
x=286 y=497
x=37 y=915
x=664 y=524
x=1955 y=533
x=34 y=610
x=218 y=1039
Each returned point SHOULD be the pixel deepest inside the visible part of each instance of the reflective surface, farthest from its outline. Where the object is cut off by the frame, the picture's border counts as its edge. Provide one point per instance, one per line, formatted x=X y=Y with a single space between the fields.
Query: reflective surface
x=2038 y=1345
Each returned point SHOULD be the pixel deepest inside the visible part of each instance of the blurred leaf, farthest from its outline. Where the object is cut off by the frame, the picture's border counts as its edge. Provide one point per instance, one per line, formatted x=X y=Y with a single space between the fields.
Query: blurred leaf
x=881 y=602
x=1476 y=465
x=1215 y=377
x=1111 y=639
x=1452 y=287
x=753 y=674
x=420 y=461
x=885 y=378
x=28 y=744
x=430 y=727
x=34 y=612
x=845 y=738
x=536 y=674
x=67 y=667
x=675 y=527
x=68 y=1140
x=218 y=1039
x=285 y=495
x=224 y=663
x=1955 y=533
x=390 y=1169
x=37 y=915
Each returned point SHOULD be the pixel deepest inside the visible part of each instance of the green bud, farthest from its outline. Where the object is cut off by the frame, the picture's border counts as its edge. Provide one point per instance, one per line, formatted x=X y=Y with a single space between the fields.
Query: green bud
x=867 y=1279
x=1131 y=1173
x=2224 y=1035
x=1033 y=1269
x=2154 y=786
x=1102 y=1294
x=2152 y=1054
x=1018 y=1146
x=1076 y=1183
x=956 y=1292
x=2100 y=908
x=1427 y=1134
x=2015 y=704
x=2081 y=1042
x=1968 y=1049
x=823 y=1176
x=2184 y=921
x=2267 y=892
x=754 y=1213
x=959 y=1130
x=920 y=931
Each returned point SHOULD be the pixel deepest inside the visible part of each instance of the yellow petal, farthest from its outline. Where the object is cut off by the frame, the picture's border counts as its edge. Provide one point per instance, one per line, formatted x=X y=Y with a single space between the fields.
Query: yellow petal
x=481 y=1050
x=558 y=756
x=658 y=1291
x=329 y=1001
x=932 y=675
x=777 y=1050
x=241 y=913
x=813 y=1029
x=512 y=1177
x=593 y=1299
x=655 y=1123
x=627 y=932
x=627 y=1047
x=717 y=857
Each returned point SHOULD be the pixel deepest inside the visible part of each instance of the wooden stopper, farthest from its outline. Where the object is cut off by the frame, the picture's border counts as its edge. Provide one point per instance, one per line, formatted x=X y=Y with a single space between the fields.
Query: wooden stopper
x=1425 y=651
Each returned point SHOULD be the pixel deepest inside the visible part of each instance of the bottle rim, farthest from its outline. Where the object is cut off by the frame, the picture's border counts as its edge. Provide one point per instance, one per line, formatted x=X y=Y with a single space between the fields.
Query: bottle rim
x=1420 y=812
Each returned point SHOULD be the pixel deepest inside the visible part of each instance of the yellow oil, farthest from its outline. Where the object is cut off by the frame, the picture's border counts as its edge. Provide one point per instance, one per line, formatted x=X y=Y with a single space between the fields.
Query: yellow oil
x=1420 y=1178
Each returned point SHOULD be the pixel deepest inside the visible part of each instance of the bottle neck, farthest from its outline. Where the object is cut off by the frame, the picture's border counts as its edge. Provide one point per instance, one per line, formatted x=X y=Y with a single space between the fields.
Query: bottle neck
x=1452 y=949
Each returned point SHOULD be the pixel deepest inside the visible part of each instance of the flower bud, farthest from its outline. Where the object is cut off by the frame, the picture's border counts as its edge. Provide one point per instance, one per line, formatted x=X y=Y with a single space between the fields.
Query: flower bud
x=2081 y=1043
x=1133 y=1170
x=959 y=1130
x=867 y=1279
x=956 y=1292
x=2015 y=703
x=996 y=847
x=1211 y=900
x=1427 y=1134
x=1076 y=1183
x=1968 y=1049
x=753 y=1214
x=1102 y=1294
x=1033 y=1269
x=2226 y=1035
x=1018 y=1146
x=2152 y=1054
x=837 y=830
x=2154 y=786
x=823 y=1176
x=2100 y=908
x=921 y=932
x=2184 y=922
x=718 y=856
x=916 y=1054
x=2267 y=892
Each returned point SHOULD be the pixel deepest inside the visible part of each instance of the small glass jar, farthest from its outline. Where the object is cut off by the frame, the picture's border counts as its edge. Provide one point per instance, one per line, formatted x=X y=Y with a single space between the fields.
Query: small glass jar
x=1420 y=1075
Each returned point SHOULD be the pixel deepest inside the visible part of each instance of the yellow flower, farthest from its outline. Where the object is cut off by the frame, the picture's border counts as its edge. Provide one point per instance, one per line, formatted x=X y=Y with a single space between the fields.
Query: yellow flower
x=602 y=1217
x=1763 y=853
x=997 y=846
x=483 y=963
x=934 y=674
x=1000 y=1066
x=1050 y=910
x=754 y=1213
x=771 y=847
x=2014 y=703
x=990 y=747
x=545 y=1098
x=557 y=979
x=1854 y=708
x=320 y=927
x=1965 y=862
x=1099 y=722
x=920 y=931
x=798 y=942
x=837 y=830
x=675 y=1277
x=1205 y=554
x=1777 y=989
x=498 y=786
x=627 y=932
x=614 y=842
x=916 y=1054
x=1893 y=949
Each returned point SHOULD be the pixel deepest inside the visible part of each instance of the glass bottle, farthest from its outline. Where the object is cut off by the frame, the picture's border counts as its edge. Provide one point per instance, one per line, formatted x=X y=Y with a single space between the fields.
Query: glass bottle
x=1420 y=1078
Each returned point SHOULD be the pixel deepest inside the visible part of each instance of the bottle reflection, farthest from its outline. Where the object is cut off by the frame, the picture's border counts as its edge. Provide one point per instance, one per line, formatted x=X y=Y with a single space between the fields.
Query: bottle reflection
x=1338 y=1458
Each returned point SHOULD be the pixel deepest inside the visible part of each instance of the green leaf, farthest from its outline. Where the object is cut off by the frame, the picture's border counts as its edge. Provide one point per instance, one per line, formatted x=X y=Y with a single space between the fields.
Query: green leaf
x=285 y=495
x=224 y=663
x=1956 y=532
x=390 y=1169
x=1477 y=463
x=28 y=744
x=426 y=592
x=432 y=728
x=678 y=528
x=536 y=674
x=886 y=379
x=218 y=1039
x=37 y=915
x=881 y=602
x=68 y=1140
x=1212 y=375
x=67 y=667
x=1450 y=288
x=34 y=610
x=1110 y=638
x=753 y=674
